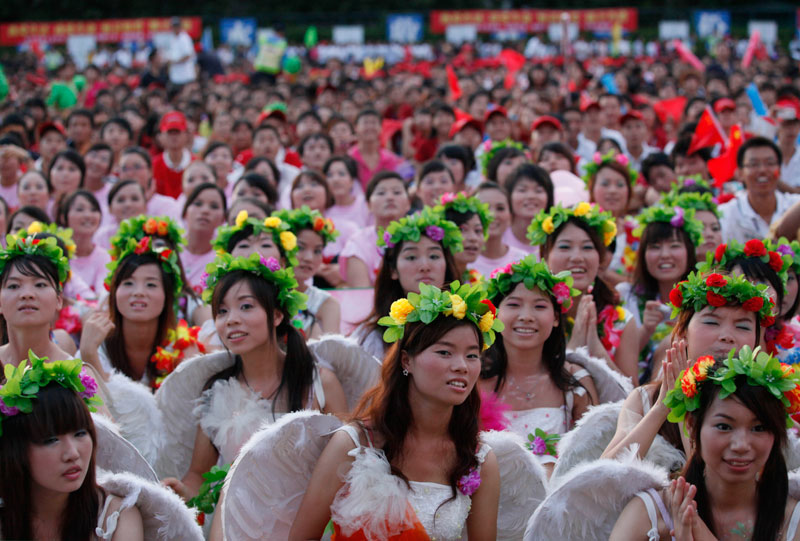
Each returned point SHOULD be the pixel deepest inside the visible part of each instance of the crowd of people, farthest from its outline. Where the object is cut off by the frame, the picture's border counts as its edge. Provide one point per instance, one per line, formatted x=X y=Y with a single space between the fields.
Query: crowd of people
x=567 y=299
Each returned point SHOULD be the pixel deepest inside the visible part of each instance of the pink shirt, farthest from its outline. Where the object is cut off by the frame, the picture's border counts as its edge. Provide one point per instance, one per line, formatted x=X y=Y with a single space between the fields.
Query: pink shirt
x=9 y=193
x=388 y=161
x=363 y=245
x=346 y=230
x=102 y=197
x=511 y=240
x=485 y=266
x=162 y=205
x=357 y=212
x=92 y=268
x=195 y=266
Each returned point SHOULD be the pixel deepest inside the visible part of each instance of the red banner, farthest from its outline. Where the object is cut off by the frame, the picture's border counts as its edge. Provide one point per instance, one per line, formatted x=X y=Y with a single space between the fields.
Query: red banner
x=534 y=20
x=105 y=30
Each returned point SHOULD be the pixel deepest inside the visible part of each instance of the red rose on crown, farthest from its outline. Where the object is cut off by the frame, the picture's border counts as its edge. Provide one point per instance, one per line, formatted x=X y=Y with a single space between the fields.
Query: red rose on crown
x=755 y=248
x=491 y=306
x=753 y=304
x=716 y=280
x=719 y=252
x=676 y=297
x=775 y=261
x=715 y=299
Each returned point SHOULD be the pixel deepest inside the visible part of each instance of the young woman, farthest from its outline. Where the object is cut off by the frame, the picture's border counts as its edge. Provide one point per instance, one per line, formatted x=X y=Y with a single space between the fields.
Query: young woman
x=268 y=237
x=34 y=190
x=735 y=482
x=461 y=162
x=136 y=164
x=530 y=191
x=23 y=217
x=694 y=196
x=527 y=368
x=256 y=186
x=196 y=173
x=556 y=156
x=47 y=460
x=576 y=240
x=220 y=156
x=417 y=249
x=434 y=180
x=712 y=330
x=419 y=427
x=81 y=212
x=666 y=255
x=496 y=253
x=252 y=206
x=266 y=168
x=473 y=219
x=125 y=200
x=204 y=211
x=66 y=174
x=315 y=149
x=254 y=301
x=501 y=161
x=341 y=173
x=388 y=200
x=99 y=160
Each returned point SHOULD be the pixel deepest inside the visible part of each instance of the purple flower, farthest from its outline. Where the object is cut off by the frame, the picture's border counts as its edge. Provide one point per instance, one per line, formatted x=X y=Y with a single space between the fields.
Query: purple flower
x=434 y=232
x=689 y=182
x=677 y=220
x=89 y=384
x=203 y=280
x=785 y=249
x=271 y=263
x=538 y=446
x=470 y=482
x=387 y=239
x=5 y=410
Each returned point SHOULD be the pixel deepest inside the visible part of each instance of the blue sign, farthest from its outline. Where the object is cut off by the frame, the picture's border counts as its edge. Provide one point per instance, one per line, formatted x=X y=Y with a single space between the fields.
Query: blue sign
x=405 y=27
x=238 y=31
x=711 y=22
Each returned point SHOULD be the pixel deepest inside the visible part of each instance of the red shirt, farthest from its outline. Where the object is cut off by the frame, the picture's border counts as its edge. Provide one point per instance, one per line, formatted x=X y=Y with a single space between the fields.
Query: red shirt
x=168 y=180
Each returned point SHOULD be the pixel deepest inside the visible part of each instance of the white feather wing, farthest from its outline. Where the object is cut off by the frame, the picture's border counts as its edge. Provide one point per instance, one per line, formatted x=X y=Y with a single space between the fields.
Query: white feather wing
x=175 y=398
x=266 y=483
x=116 y=454
x=137 y=415
x=586 y=503
x=356 y=369
x=523 y=483
x=611 y=385
x=793 y=451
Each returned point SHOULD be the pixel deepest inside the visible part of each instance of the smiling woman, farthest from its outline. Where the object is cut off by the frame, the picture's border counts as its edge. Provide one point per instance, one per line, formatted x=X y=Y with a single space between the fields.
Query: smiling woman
x=204 y=211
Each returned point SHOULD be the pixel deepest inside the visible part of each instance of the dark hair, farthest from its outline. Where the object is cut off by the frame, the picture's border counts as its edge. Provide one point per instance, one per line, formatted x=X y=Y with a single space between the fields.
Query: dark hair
x=308 y=113
x=654 y=160
x=56 y=411
x=34 y=212
x=214 y=145
x=32 y=265
x=138 y=151
x=195 y=193
x=314 y=137
x=298 y=369
x=101 y=147
x=34 y=171
x=772 y=488
x=119 y=121
x=66 y=203
x=265 y=207
x=387 y=410
x=755 y=142
x=434 y=166
x=85 y=113
x=254 y=162
x=319 y=179
x=258 y=182
x=115 y=342
x=367 y=112
x=497 y=159
x=534 y=173
x=681 y=148
x=72 y=157
x=379 y=177
x=614 y=165
x=349 y=164
x=557 y=147
x=458 y=152
x=612 y=141
x=118 y=186
x=266 y=127
x=644 y=283
x=758 y=271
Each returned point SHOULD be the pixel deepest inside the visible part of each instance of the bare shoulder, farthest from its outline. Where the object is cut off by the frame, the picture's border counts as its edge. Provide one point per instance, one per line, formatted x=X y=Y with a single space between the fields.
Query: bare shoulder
x=633 y=522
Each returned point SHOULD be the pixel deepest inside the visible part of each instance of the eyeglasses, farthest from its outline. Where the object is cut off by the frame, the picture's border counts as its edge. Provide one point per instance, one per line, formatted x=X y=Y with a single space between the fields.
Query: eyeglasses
x=769 y=164
x=136 y=167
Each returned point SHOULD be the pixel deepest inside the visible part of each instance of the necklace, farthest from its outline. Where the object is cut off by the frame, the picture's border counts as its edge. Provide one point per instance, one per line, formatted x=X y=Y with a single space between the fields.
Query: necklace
x=519 y=392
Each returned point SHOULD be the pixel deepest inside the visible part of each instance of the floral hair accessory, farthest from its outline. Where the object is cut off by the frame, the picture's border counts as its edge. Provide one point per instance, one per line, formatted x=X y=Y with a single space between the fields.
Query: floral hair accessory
x=534 y=274
x=690 y=200
x=599 y=160
x=146 y=226
x=427 y=222
x=284 y=239
x=463 y=205
x=166 y=256
x=676 y=216
x=498 y=145
x=23 y=383
x=547 y=221
x=725 y=255
x=64 y=234
x=267 y=268
x=690 y=180
x=305 y=218
x=47 y=247
x=712 y=289
x=760 y=369
x=786 y=249
x=462 y=301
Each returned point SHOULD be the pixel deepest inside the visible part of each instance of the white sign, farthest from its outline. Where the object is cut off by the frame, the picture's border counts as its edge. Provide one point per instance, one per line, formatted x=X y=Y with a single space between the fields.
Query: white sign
x=459 y=33
x=668 y=30
x=343 y=35
x=79 y=48
x=768 y=30
x=554 y=31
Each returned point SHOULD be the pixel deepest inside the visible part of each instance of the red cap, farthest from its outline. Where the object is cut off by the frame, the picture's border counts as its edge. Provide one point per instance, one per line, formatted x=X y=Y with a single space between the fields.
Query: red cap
x=586 y=105
x=497 y=110
x=459 y=125
x=547 y=119
x=724 y=104
x=274 y=113
x=174 y=120
x=787 y=109
x=632 y=114
x=51 y=126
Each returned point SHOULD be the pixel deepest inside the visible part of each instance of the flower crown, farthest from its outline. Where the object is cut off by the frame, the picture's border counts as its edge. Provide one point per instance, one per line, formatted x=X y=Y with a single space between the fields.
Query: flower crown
x=145 y=226
x=676 y=216
x=786 y=248
x=48 y=248
x=690 y=200
x=547 y=221
x=285 y=240
x=534 y=274
x=497 y=145
x=427 y=222
x=760 y=368
x=23 y=383
x=64 y=234
x=599 y=160
x=463 y=204
x=167 y=257
x=267 y=268
x=716 y=290
x=305 y=218
x=727 y=253
x=462 y=301
x=690 y=180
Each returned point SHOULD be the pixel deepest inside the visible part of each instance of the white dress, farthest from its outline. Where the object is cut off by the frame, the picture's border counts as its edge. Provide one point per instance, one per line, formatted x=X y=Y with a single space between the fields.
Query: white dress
x=442 y=521
x=316 y=298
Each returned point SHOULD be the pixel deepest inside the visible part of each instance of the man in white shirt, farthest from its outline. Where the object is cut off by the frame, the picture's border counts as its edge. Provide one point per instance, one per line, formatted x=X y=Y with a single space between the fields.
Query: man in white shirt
x=634 y=130
x=787 y=113
x=750 y=214
x=180 y=56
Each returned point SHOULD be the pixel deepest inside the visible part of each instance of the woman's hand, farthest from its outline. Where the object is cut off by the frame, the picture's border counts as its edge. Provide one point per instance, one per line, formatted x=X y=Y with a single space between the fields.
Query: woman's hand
x=671 y=368
x=330 y=271
x=683 y=509
x=652 y=317
x=578 y=337
x=96 y=327
x=178 y=487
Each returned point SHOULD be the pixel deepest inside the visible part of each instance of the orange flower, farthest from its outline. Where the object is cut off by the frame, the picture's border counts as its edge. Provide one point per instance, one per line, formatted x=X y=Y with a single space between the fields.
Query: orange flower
x=688 y=384
x=794 y=401
x=150 y=226
x=788 y=369
x=319 y=223
x=163 y=228
x=701 y=368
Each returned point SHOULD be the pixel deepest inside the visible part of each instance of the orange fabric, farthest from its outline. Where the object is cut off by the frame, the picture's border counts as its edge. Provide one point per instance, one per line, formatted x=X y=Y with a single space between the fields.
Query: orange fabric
x=418 y=532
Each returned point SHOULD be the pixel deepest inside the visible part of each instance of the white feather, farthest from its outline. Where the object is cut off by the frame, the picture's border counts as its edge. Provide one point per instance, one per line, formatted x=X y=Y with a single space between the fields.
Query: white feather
x=792 y=451
x=137 y=415
x=355 y=368
x=611 y=385
x=116 y=454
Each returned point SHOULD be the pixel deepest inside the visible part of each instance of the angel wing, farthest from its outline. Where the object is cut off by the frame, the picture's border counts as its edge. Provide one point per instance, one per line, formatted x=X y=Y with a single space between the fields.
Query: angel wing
x=164 y=515
x=586 y=503
x=523 y=483
x=356 y=369
x=611 y=385
x=267 y=481
x=116 y=454
x=175 y=398
x=137 y=415
x=793 y=451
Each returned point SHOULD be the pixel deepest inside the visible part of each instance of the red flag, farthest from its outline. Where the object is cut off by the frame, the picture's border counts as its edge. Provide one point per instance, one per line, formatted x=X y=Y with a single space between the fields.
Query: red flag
x=513 y=61
x=671 y=108
x=723 y=166
x=452 y=82
x=752 y=45
x=708 y=132
x=688 y=56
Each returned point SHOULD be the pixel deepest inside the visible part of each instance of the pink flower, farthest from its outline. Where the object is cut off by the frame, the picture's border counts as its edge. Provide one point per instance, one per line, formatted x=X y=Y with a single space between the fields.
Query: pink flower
x=538 y=446
x=448 y=197
x=677 y=220
x=785 y=249
x=89 y=384
x=434 y=232
x=622 y=159
x=387 y=239
x=597 y=158
x=203 y=280
x=271 y=263
x=561 y=292
x=469 y=483
x=5 y=410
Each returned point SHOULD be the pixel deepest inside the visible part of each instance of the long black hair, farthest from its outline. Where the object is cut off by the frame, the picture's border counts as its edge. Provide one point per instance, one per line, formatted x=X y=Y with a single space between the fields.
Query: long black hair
x=644 y=283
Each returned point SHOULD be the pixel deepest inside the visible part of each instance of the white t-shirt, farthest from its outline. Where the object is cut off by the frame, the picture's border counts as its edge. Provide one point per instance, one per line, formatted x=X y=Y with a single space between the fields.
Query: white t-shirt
x=179 y=47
